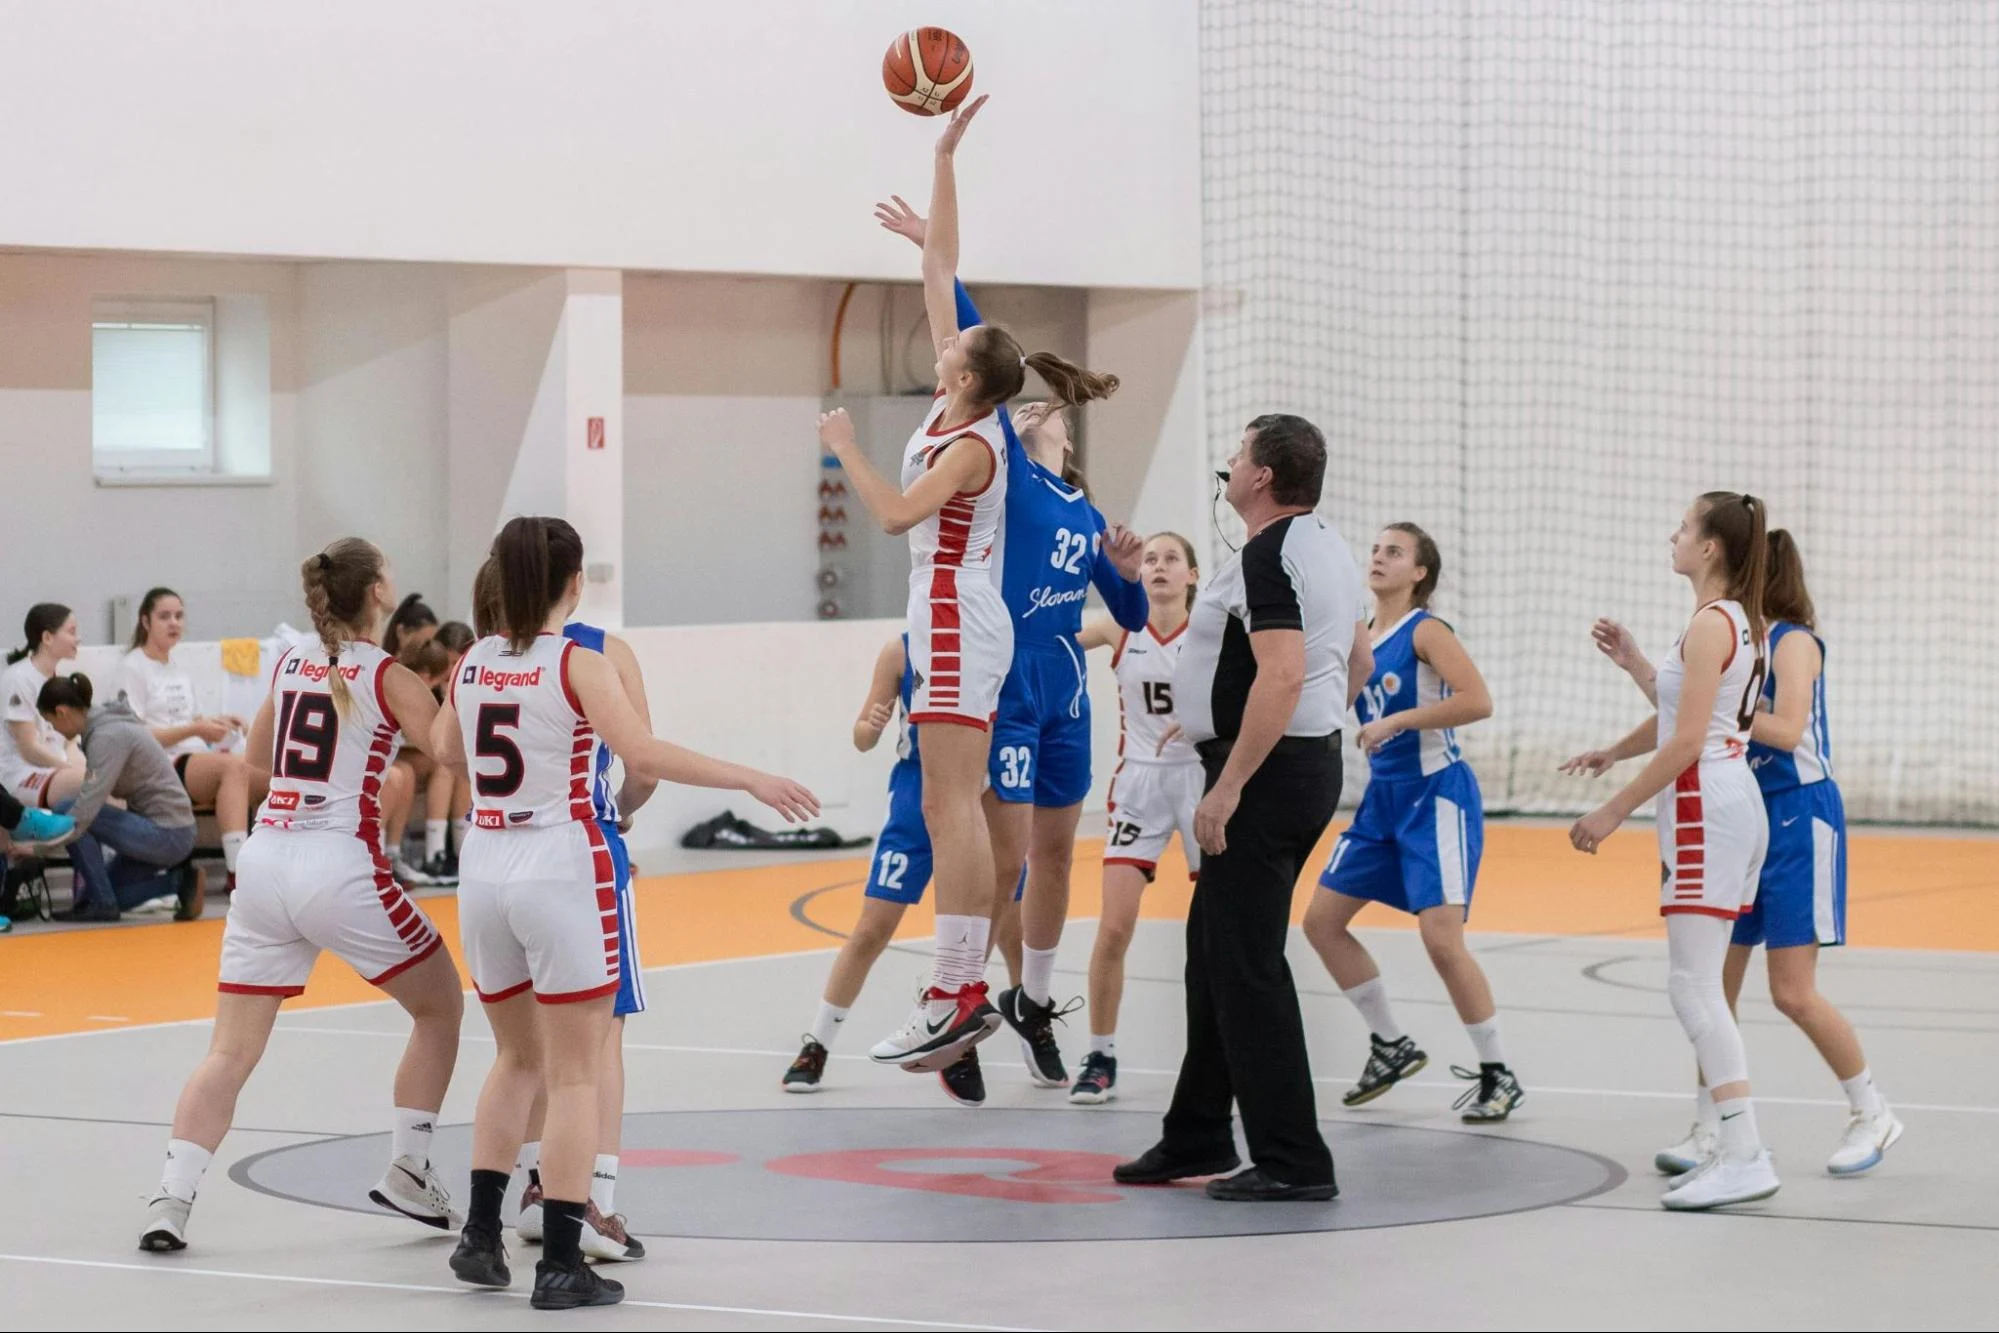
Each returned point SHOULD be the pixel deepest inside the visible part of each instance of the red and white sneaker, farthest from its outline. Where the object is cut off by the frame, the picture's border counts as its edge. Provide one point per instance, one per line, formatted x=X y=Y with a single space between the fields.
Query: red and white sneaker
x=943 y=1026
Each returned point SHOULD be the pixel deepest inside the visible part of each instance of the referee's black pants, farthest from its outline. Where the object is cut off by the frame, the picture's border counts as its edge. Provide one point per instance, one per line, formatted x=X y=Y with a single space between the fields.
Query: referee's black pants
x=1245 y=1038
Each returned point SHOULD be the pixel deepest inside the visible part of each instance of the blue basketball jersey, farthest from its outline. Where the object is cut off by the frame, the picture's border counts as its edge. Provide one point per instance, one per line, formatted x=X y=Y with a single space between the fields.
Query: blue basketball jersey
x=603 y=796
x=1780 y=770
x=1402 y=681
x=905 y=738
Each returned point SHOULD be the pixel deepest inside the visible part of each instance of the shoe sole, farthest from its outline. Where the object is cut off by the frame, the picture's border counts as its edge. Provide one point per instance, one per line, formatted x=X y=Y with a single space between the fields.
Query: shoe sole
x=161 y=1241
x=1493 y=1118
x=602 y=1248
x=1187 y=1173
x=479 y=1277
x=381 y=1199
x=1311 y=1194
x=1036 y=1075
x=1894 y=1136
x=927 y=1062
x=800 y=1087
x=1674 y=1166
x=567 y=1302
x=1670 y=1206
x=1092 y=1098
x=1381 y=1090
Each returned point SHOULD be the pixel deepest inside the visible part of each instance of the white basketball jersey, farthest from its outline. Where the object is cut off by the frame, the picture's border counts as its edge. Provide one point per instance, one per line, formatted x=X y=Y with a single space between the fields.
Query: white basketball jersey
x=1144 y=665
x=1734 y=704
x=527 y=742
x=326 y=768
x=961 y=534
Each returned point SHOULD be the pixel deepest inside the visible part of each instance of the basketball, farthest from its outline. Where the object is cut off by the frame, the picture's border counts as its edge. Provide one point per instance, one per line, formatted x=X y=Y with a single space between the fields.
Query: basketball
x=927 y=71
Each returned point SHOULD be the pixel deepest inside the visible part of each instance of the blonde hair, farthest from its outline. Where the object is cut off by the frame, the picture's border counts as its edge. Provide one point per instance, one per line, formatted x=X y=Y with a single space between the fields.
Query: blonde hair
x=337 y=583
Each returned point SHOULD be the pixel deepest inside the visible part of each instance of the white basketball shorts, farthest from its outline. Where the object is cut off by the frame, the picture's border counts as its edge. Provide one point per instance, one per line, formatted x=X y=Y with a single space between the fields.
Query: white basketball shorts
x=538 y=909
x=1712 y=837
x=1147 y=803
x=960 y=646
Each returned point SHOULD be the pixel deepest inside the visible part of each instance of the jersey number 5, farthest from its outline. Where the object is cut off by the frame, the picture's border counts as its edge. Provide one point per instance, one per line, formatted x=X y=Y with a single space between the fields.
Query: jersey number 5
x=308 y=733
x=490 y=744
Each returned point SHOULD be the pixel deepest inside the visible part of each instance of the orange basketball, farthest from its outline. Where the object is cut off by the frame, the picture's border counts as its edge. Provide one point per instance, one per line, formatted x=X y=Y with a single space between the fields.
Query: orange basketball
x=927 y=71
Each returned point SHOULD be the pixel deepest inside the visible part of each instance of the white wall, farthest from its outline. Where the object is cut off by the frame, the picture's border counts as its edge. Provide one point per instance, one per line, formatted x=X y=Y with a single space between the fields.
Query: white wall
x=745 y=137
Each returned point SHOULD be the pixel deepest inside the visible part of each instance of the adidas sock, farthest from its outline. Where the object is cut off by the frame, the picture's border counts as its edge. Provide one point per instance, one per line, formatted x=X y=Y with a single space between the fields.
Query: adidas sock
x=1704 y=1113
x=489 y=1191
x=232 y=843
x=961 y=950
x=411 y=1137
x=562 y=1232
x=187 y=1161
x=826 y=1026
x=604 y=1181
x=1037 y=974
x=433 y=837
x=1861 y=1094
x=529 y=1162
x=1485 y=1039
x=1739 y=1139
x=1371 y=998
x=1104 y=1043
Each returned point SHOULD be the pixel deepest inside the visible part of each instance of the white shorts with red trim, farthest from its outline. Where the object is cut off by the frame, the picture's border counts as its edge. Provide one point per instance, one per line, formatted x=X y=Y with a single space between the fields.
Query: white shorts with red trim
x=1712 y=837
x=960 y=646
x=30 y=786
x=538 y=910
x=300 y=892
x=1147 y=803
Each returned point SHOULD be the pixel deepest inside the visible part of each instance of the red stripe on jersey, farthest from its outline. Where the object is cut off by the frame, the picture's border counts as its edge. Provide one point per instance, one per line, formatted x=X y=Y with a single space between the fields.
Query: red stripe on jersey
x=585 y=748
x=568 y=690
x=382 y=692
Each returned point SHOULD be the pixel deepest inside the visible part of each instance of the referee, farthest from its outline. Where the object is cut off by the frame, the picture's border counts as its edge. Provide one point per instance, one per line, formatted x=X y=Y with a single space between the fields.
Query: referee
x=1276 y=649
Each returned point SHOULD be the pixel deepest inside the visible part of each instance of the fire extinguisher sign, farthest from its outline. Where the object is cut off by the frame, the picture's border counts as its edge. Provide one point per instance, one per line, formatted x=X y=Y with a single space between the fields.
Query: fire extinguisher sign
x=594 y=434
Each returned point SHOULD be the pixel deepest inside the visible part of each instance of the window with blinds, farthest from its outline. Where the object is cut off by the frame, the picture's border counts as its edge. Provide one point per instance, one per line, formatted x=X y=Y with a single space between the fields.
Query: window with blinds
x=152 y=387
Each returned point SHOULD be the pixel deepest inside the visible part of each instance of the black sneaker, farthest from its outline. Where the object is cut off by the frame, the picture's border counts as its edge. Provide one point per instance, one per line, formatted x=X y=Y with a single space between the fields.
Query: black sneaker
x=481 y=1259
x=1387 y=1064
x=565 y=1287
x=1497 y=1093
x=1034 y=1024
x=1097 y=1083
x=964 y=1082
x=807 y=1069
x=441 y=870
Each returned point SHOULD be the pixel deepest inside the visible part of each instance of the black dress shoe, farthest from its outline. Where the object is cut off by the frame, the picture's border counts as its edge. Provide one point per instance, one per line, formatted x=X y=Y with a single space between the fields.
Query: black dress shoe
x=1156 y=1166
x=1253 y=1186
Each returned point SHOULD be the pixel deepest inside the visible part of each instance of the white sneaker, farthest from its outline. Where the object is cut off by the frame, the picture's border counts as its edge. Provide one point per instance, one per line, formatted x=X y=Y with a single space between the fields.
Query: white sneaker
x=155 y=906
x=1719 y=1182
x=1701 y=1143
x=166 y=1224
x=412 y=1188
x=1867 y=1138
x=528 y=1225
x=941 y=1028
x=607 y=1239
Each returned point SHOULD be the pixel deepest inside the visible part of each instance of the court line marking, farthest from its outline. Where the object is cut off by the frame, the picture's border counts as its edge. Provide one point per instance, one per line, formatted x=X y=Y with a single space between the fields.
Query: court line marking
x=1788 y=1217
x=1454 y=1086
x=751 y=1311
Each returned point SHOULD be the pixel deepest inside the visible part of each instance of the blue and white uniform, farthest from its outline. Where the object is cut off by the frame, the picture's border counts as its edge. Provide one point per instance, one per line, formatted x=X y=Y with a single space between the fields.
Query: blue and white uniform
x=901 y=869
x=1416 y=839
x=604 y=800
x=1801 y=898
x=1051 y=550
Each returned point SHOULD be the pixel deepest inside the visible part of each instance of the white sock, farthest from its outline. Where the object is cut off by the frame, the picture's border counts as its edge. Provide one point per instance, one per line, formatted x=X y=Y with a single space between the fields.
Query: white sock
x=604 y=1181
x=1704 y=1113
x=529 y=1162
x=1861 y=1094
x=1485 y=1039
x=1371 y=998
x=961 y=950
x=827 y=1025
x=433 y=837
x=186 y=1162
x=232 y=843
x=411 y=1137
x=1037 y=974
x=1739 y=1139
x=1104 y=1043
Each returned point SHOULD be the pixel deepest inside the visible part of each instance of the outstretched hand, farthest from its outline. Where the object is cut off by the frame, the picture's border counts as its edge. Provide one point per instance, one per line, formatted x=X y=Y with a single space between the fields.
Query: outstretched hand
x=1617 y=643
x=836 y=428
x=791 y=799
x=1126 y=550
x=961 y=120
x=897 y=216
x=1589 y=764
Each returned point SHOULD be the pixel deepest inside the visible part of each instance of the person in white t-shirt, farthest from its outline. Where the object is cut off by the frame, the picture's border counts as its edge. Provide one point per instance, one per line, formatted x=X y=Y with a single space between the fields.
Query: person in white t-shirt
x=37 y=766
x=162 y=695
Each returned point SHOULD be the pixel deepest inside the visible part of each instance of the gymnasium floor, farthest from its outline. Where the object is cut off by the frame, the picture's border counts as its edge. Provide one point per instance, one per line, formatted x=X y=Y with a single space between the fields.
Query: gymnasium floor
x=771 y=1211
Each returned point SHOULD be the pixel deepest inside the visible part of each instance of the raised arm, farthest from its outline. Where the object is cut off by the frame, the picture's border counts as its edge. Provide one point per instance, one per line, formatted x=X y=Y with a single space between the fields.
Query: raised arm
x=884 y=688
x=1797 y=663
x=1114 y=572
x=612 y=716
x=940 y=241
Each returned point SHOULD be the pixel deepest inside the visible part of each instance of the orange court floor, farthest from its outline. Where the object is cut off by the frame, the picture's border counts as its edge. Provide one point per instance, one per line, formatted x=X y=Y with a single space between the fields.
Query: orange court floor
x=1905 y=891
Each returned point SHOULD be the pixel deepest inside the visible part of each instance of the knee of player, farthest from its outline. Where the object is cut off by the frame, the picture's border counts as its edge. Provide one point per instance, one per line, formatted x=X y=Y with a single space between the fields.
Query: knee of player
x=1113 y=941
x=1323 y=927
x=1696 y=997
x=1444 y=941
x=1794 y=998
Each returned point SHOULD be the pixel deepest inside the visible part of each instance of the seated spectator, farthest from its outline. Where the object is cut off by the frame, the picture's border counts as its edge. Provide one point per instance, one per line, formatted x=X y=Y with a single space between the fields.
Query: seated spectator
x=35 y=763
x=445 y=793
x=152 y=838
x=412 y=622
x=162 y=696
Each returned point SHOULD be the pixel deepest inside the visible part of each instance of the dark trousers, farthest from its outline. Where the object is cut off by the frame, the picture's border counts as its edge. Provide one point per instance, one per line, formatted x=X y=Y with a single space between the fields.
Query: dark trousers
x=1245 y=1038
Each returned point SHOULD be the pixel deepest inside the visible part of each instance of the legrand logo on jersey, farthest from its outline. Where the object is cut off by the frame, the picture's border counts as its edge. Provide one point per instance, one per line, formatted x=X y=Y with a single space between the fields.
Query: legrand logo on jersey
x=1047 y=596
x=504 y=680
x=313 y=671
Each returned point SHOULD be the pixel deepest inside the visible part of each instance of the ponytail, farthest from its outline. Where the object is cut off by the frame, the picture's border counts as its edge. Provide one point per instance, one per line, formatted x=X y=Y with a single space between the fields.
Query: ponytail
x=534 y=560
x=43 y=618
x=1785 y=596
x=1737 y=521
x=71 y=691
x=999 y=363
x=486 y=599
x=410 y=613
x=338 y=582
x=1071 y=383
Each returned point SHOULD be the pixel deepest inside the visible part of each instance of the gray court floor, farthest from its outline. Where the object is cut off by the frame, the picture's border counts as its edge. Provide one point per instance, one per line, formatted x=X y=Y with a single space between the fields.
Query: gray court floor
x=876 y=1204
